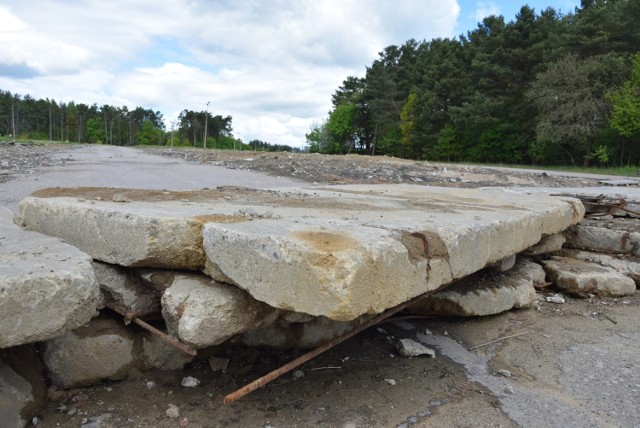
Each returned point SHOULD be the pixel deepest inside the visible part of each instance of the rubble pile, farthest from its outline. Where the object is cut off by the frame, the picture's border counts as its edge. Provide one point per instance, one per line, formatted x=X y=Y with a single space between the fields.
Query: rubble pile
x=282 y=268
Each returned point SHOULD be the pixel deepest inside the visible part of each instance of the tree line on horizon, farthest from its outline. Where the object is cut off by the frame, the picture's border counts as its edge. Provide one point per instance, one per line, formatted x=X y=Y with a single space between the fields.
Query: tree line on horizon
x=24 y=117
x=542 y=89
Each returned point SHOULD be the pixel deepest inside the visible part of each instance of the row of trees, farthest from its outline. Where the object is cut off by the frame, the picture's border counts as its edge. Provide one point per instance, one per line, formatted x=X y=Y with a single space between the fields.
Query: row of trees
x=24 y=117
x=545 y=88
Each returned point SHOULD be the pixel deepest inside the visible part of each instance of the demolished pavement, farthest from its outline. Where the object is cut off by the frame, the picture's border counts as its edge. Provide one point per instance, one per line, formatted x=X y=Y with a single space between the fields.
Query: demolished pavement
x=317 y=261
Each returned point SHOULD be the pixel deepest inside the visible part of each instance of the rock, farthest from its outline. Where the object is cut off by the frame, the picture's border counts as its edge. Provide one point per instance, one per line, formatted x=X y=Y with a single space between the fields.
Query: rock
x=547 y=245
x=122 y=289
x=46 y=287
x=190 y=382
x=173 y=411
x=504 y=372
x=99 y=421
x=286 y=334
x=150 y=384
x=23 y=388
x=583 y=278
x=623 y=264
x=486 y=293
x=158 y=354
x=203 y=312
x=555 y=299
x=298 y=374
x=593 y=236
x=411 y=348
x=391 y=382
x=348 y=250
x=102 y=350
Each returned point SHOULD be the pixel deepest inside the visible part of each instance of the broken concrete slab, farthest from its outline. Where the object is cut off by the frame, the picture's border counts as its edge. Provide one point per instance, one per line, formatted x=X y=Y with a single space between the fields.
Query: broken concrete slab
x=202 y=312
x=104 y=349
x=124 y=290
x=47 y=287
x=347 y=250
x=583 y=278
x=593 y=235
x=486 y=293
x=626 y=265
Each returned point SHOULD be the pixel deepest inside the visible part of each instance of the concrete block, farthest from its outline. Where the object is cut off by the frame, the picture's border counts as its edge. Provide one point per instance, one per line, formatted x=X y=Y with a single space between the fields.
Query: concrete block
x=46 y=286
x=583 y=278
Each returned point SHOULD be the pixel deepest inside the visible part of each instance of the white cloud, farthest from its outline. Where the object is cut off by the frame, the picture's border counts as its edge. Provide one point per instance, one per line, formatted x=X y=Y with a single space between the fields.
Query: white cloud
x=272 y=65
x=484 y=9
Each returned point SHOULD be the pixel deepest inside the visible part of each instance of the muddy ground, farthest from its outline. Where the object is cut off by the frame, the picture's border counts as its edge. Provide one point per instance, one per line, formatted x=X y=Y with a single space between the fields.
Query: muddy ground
x=571 y=364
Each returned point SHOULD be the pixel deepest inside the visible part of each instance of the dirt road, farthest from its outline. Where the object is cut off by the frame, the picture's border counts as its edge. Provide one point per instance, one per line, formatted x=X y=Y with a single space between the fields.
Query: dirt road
x=572 y=364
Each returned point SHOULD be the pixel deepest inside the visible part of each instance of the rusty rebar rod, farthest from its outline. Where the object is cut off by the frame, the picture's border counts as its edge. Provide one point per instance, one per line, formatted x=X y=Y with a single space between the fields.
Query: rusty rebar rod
x=162 y=335
x=262 y=381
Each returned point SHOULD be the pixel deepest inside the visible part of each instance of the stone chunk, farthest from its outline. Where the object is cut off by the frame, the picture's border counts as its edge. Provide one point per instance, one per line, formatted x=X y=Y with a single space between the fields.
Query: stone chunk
x=202 y=312
x=583 y=278
x=626 y=265
x=124 y=290
x=592 y=236
x=411 y=348
x=102 y=350
x=158 y=354
x=46 y=287
x=22 y=386
x=486 y=293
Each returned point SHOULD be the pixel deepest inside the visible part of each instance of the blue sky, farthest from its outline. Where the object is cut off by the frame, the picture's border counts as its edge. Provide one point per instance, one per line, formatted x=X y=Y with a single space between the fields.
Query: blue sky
x=271 y=64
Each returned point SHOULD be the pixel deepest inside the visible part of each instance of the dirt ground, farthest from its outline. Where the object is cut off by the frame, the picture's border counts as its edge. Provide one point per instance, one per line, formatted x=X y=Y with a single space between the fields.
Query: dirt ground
x=571 y=364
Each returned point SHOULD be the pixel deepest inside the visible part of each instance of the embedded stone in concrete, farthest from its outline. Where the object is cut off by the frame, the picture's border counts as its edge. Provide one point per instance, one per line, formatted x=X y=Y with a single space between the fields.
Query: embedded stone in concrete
x=297 y=331
x=22 y=385
x=46 y=286
x=203 y=312
x=102 y=350
x=339 y=252
x=486 y=293
x=583 y=278
x=158 y=354
x=594 y=236
x=547 y=245
x=124 y=290
x=623 y=264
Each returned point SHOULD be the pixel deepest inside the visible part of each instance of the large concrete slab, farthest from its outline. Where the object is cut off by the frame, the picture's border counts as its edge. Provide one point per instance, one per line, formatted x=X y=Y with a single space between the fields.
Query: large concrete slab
x=340 y=251
x=47 y=287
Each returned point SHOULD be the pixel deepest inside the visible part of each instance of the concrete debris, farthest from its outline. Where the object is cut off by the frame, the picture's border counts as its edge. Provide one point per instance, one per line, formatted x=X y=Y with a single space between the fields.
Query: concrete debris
x=411 y=348
x=391 y=382
x=172 y=411
x=486 y=292
x=286 y=334
x=504 y=372
x=81 y=358
x=584 y=278
x=190 y=382
x=46 y=286
x=158 y=354
x=624 y=264
x=593 y=235
x=202 y=312
x=121 y=288
x=23 y=389
x=107 y=349
x=556 y=298
x=342 y=247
